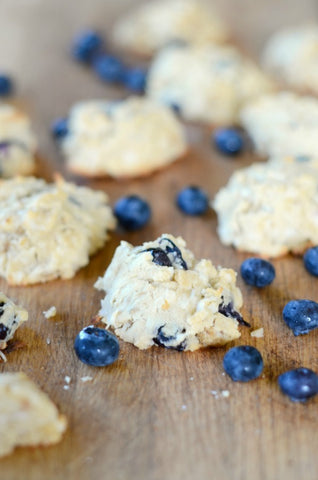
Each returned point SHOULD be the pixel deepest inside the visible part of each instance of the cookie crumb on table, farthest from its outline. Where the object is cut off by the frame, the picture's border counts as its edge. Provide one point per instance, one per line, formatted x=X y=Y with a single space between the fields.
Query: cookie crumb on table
x=258 y=333
x=50 y=313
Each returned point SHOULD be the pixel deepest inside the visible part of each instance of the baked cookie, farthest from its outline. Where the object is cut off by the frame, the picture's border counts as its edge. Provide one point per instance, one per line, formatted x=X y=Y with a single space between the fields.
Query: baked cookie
x=160 y=294
x=11 y=317
x=154 y=24
x=291 y=55
x=283 y=124
x=49 y=230
x=122 y=139
x=269 y=208
x=17 y=143
x=27 y=416
x=209 y=84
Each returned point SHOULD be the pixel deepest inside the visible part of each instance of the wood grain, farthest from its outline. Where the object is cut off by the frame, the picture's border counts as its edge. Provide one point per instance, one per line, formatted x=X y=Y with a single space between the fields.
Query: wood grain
x=152 y=415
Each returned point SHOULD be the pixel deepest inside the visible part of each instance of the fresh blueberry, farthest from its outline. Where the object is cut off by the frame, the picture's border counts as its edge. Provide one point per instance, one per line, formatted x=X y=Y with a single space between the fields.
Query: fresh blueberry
x=192 y=201
x=301 y=316
x=243 y=363
x=257 y=272
x=109 y=68
x=299 y=384
x=228 y=141
x=86 y=45
x=6 y=85
x=132 y=212
x=59 y=128
x=135 y=79
x=159 y=257
x=311 y=261
x=96 y=346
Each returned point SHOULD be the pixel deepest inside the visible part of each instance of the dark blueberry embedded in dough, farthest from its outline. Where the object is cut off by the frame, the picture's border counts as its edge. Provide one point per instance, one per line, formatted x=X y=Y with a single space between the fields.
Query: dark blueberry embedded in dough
x=163 y=340
x=3 y=331
x=173 y=252
x=228 y=311
x=59 y=128
x=301 y=316
x=159 y=257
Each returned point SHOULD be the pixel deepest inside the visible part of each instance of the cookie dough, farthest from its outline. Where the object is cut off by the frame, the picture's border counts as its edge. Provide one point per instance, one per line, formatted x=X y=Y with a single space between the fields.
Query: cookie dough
x=209 y=84
x=160 y=294
x=27 y=416
x=11 y=317
x=122 y=139
x=49 y=230
x=154 y=24
x=291 y=55
x=283 y=124
x=269 y=208
x=17 y=143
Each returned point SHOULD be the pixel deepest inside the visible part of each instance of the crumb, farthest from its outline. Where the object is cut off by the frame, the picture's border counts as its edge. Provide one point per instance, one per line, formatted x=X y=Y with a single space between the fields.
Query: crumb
x=258 y=333
x=2 y=355
x=215 y=393
x=51 y=312
x=67 y=379
x=86 y=379
x=48 y=341
x=191 y=378
x=183 y=407
x=225 y=393
x=66 y=387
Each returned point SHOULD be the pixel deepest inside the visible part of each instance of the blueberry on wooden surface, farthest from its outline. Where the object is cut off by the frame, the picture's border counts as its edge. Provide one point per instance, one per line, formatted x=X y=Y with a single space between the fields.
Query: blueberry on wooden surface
x=243 y=363
x=192 y=200
x=134 y=78
x=6 y=85
x=228 y=141
x=132 y=212
x=59 y=128
x=86 y=44
x=96 y=346
x=109 y=68
x=299 y=384
x=311 y=261
x=301 y=316
x=257 y=272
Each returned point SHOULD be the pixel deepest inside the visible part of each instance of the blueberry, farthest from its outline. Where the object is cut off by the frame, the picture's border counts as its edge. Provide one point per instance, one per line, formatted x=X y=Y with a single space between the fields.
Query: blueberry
x=87 y=44
x=192 y=201
x=173 y=252
x=3 y=331
x=311 y=261
x=163 y=340
x=228 y=311
x=159 y=257
x=301 y=316
x=109 y=68
x=59 y=128
x=96 y=346
x=135 y=79
x=299 y=384
x=228 y=141
x=6 y=85
x=243 y=363
x=132 y=212
x=257 y=272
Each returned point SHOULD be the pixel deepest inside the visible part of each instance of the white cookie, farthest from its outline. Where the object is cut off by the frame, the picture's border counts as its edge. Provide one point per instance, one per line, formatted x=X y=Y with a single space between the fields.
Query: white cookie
x=160 y=294
x=209 y=84
x=269 y=208
x=17 y=143
x=154 y=24
x=11 y=317
x=27 y=416
x=292 y=56
x=49 y=230
x=122 y=139
x=283 y=124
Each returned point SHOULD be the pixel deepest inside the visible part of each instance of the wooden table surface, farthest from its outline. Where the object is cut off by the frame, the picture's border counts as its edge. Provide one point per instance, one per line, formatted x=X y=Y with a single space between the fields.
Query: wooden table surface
x=152 y=415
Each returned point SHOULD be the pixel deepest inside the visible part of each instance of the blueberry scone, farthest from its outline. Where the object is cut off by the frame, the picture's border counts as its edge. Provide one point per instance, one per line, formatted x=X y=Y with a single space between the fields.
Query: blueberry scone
x=218 y=83
x=27 y=416
x=11 y=317
x=291 y=55
x=122 y=139
x=269 y=208
x=160 y=294
x=283 y=124
x=17 y=143
x=49 y=230
x=159 y=22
